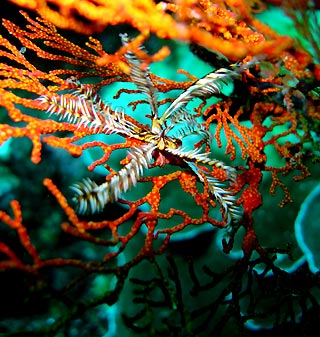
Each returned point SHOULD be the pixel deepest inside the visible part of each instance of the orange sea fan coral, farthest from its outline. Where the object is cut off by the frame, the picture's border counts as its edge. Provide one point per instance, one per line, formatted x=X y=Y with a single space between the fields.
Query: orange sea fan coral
x=253 y=119
x=207 y=23
x=34 y=83
x=92 y=61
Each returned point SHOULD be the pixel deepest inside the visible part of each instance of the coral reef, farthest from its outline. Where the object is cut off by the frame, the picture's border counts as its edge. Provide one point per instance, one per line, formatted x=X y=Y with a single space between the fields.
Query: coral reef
x=176 y=226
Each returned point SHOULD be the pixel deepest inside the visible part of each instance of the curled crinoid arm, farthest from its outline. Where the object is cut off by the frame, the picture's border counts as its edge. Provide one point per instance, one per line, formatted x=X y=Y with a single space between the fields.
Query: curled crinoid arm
x=140 y=76
x=92 y=198
x=89 y=196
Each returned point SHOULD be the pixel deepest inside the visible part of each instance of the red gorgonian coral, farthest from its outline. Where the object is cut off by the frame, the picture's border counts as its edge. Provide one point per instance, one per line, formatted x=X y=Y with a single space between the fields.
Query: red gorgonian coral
x=273 y=107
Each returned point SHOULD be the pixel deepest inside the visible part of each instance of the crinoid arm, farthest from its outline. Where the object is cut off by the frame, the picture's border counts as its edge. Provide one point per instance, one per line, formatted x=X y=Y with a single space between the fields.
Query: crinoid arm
x=185 y=124
x=220 y=191
x=233 y=212
x=196 y=155
x=83 y=106
x=89 y=196
x=140 y=76
x=92 y=198
x=205 y=87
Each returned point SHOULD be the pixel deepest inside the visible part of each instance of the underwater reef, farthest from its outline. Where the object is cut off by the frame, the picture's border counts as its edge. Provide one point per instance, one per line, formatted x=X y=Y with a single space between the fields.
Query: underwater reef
x=159 y=168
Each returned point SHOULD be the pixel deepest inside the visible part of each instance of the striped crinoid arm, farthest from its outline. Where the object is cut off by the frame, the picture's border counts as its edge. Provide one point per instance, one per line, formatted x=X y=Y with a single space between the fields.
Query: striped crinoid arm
x=91 y=197
x=140 y=76
x=84 y=106
x=233 y=212
x=220 y=190
x=205 y=87
x=198 y=156
x=186 y=124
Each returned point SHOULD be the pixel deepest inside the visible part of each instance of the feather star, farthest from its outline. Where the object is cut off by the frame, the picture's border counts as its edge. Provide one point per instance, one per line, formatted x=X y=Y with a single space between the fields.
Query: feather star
x=85 y=107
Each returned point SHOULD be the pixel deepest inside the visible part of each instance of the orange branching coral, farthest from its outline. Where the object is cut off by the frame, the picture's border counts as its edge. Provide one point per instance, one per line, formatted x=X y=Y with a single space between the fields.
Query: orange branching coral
x=51 y=93
x=13 y=261
x=16 y=223
x=234 y=33
x=272 y=101
x=46 y=85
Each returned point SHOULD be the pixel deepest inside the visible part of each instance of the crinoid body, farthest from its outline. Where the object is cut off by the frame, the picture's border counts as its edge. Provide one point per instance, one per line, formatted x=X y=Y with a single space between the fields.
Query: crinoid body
x=161 y=142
